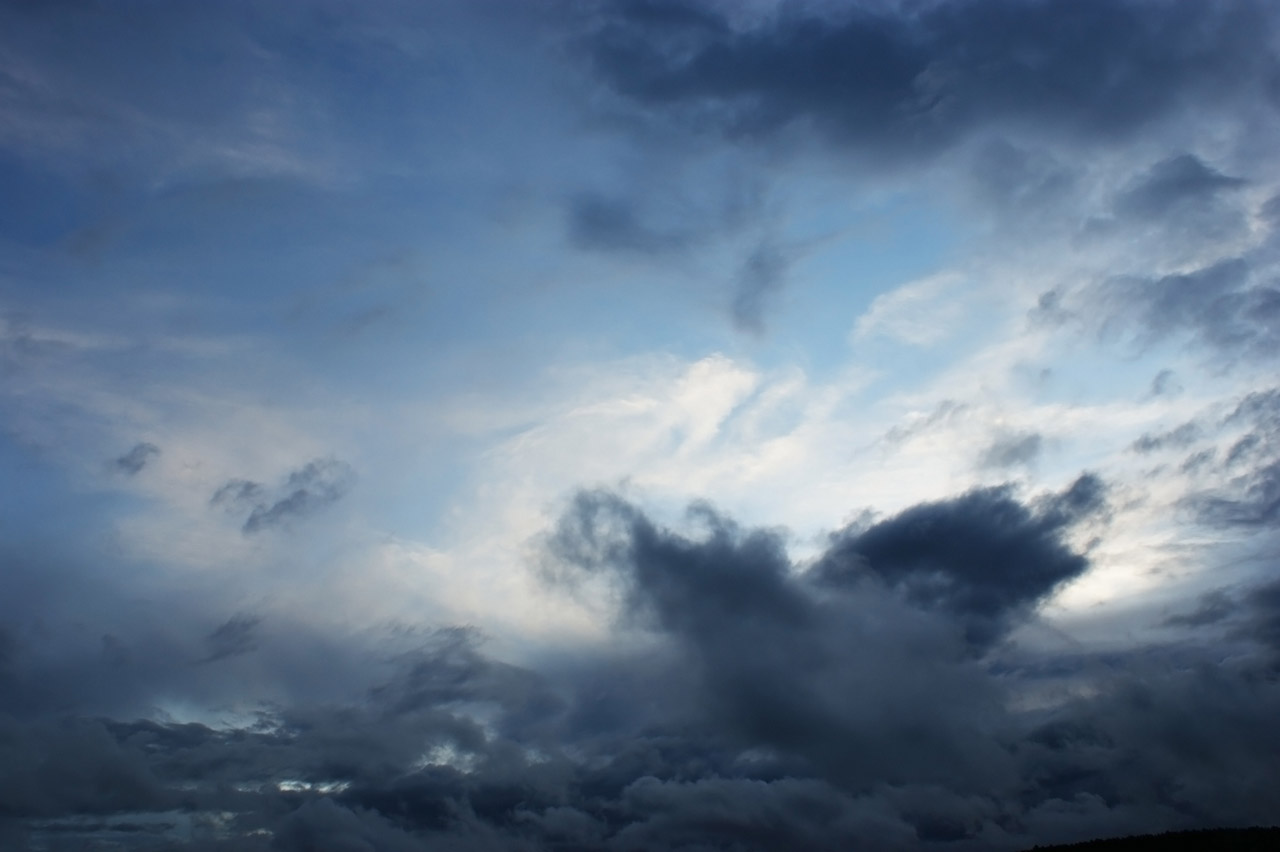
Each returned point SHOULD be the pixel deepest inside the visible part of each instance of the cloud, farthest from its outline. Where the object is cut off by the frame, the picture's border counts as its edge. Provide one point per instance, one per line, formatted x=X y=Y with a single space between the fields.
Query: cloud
x=1263 y=622
x=1249 y=494
x=903 y=85
x=236 y=492
x=920 y=313
x=1249 y=500
x=323 y=824
x=679 y=218
x=1220 y=304
x=76 y=766
x=983 y=557
x=1178 y=438
x=1173 y=185
x=763 y=275
x=306 y=491
x=943 y=414
x=136 y=459
x=1165 y=383
x=731 y=678
x=235 y=636
x=612 y=224
x=1012 y=451
x=1214 y=607
x=1073 y=122
x=773 y=705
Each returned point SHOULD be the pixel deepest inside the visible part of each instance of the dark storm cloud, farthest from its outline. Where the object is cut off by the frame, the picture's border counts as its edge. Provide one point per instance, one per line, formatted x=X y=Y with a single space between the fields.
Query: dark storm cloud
x=322 y=824
x=984 y=557
x=1011 y=451
x=905 y=82
x=136 y=459
x=776 y=708
x=59 y=768
x=307 y=490
x=773 y=646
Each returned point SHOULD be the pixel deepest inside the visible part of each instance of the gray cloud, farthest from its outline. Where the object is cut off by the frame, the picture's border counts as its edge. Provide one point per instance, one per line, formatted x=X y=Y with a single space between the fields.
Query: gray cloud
x=1173 y=185
x=1249 y=500
x=874 y=697
x=1178 y=438
x=666 y=220
x=1213 y=608
x=1165 y=383
x=235 y=636
x=1217 y=302
x=774 y=707
x=136 y=459
x=614 y=224
x=306 y=491
x=237 y=492
x=763 y=274
x=943 y=413
x=76 y=766
x=1250 y=496
x=903 y=84
x=983 y=558
x=1011 y=451
x=1019 y=90
x=1263 y=622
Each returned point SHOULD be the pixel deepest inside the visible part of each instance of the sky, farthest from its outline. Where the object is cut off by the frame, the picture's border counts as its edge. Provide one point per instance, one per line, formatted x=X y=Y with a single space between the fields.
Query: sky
x=638 y=425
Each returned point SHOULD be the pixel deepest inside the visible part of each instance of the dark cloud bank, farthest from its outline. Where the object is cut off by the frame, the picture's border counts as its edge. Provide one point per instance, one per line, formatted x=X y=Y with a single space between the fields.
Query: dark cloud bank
x=907 y=80
x=1022 y=94
x=871 y=699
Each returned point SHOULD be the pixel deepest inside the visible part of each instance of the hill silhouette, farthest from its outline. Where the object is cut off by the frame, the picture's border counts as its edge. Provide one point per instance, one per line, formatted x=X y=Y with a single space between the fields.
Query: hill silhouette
x=1205 y=840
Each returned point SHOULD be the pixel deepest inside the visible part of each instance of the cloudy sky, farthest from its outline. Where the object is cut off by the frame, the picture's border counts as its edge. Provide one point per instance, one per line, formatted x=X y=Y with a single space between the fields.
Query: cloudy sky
x=637 y=425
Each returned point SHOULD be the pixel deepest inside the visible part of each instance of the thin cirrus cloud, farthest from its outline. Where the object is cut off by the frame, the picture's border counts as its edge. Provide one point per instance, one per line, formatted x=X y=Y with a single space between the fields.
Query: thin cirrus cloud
x=658 y=424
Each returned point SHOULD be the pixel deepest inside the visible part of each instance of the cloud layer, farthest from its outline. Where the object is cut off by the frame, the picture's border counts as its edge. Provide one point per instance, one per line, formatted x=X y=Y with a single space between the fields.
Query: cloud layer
x=870 y=698
x=358 y=364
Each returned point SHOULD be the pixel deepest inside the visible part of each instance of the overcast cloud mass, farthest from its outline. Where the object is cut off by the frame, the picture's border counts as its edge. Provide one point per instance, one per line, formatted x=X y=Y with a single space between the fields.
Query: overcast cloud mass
x=639 y=425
